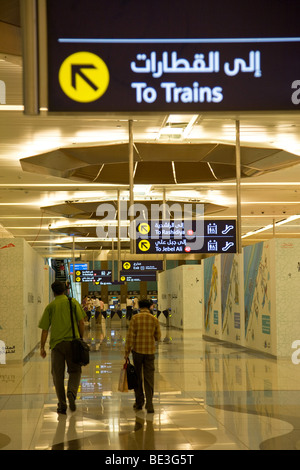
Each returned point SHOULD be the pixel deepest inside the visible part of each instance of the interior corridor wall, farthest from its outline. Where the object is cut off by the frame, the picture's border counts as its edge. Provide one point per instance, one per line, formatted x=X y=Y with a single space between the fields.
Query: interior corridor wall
x=212 y=297
x=287 y=294
x=181 y=290
x=260 y=273
x=258 y=296
x=24 y=292
x=232 y=298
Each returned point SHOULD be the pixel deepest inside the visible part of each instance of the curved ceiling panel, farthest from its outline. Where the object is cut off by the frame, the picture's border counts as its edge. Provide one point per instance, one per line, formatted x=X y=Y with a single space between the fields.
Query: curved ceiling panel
x=88 y=210
x=157 y=163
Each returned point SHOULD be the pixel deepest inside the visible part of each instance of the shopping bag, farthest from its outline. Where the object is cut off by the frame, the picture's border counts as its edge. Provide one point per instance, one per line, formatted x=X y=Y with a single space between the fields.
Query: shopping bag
x=123 y=384
x=132 y=378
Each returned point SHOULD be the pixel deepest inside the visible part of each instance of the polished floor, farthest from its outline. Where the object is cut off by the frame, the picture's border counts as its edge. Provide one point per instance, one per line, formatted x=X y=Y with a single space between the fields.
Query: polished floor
x=208 y=396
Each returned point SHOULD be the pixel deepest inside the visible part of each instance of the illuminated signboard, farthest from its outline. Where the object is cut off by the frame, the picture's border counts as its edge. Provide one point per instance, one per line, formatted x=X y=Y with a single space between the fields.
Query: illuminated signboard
x=78 y=266
x=100 y=277
x=187 y=237
x=131 y=276
x=190 y=56
x=142 y=266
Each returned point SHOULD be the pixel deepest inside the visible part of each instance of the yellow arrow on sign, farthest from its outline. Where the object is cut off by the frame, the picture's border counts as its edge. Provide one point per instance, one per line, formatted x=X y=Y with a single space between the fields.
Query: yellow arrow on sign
x=126 y=265
x=144 y=228
x=83 y=77
x=144 y=245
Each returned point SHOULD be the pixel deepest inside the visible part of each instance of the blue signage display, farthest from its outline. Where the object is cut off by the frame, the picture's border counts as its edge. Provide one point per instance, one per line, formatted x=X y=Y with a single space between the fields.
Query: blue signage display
x=78 y=266
x=138 y=56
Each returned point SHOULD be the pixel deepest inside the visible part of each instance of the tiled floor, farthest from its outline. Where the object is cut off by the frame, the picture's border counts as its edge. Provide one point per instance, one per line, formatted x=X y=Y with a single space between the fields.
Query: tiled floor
x=207 y=396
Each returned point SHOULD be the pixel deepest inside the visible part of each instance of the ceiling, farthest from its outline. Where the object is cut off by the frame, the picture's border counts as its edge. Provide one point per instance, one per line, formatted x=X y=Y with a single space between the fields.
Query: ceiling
x=29 y=199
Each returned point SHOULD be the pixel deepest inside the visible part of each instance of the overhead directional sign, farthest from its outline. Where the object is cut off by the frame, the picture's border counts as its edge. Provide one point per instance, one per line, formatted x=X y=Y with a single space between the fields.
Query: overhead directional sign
x=181 y=237
x=78 y=267
x=136 y=56
x=97 y=277
x=142 y=266
x=137 y=276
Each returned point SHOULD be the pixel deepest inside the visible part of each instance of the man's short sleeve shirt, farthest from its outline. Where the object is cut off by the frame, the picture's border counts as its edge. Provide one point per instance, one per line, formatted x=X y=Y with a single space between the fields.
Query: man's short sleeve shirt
x=57 y=316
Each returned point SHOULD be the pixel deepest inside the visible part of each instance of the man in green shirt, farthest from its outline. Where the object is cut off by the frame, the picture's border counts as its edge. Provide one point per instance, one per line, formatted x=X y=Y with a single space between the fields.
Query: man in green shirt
x=57 y=318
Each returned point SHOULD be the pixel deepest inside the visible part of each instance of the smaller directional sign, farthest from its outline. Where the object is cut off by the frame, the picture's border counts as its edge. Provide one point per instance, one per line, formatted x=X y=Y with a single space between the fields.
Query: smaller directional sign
x=133 y=265
x=189 y=236
x=78 y=266
x=99 y=277
x=137 y=276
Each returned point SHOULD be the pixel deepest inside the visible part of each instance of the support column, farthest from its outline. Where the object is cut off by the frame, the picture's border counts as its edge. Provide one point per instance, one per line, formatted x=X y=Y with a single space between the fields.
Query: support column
x=73 y=255
x=164 y=218
x=119 y=235
x=131 y=196
x=28 y=10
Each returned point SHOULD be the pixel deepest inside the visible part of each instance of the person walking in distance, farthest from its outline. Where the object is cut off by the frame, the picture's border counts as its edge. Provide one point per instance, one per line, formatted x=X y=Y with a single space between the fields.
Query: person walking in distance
x=57 y=316
x=143 y=332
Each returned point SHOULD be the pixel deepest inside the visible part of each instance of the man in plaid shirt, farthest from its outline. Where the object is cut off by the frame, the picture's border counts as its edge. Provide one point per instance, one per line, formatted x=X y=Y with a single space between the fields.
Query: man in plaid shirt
x=143 y=331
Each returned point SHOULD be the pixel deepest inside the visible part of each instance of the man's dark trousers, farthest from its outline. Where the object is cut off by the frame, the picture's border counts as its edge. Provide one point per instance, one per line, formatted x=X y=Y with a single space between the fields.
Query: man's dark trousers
x=144 y=366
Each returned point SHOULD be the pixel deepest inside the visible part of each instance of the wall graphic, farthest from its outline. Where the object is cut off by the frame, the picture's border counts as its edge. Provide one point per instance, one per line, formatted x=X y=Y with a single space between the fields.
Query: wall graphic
x=212 y=307
x=257 y=298
x=231 y=298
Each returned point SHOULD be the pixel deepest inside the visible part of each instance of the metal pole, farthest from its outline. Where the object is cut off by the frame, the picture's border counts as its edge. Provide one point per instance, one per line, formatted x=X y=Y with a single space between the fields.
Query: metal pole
x=73 y=259
x=119 y=235
x=131 y=196
x=113 y=259
x=28 y=11
x=164 y=218
x=238 y=187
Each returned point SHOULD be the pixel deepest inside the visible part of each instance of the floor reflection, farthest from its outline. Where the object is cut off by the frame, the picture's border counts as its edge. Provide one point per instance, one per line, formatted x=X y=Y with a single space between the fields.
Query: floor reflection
x=208 y=395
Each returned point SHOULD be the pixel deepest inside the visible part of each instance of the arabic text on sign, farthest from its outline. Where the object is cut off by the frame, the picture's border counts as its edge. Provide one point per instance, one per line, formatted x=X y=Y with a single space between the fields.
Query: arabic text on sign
x=181 y=65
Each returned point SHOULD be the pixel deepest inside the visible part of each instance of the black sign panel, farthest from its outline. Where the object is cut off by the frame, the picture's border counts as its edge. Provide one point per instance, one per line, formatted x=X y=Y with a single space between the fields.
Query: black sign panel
x=100 y=277
x=142 y=266
x=190 y=56
x=184 y=237
x=137 y=276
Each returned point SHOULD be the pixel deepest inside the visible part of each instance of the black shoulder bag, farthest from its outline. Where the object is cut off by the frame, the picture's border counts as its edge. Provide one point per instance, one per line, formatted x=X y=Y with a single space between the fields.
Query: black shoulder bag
x=132 y=378
x=80 y=349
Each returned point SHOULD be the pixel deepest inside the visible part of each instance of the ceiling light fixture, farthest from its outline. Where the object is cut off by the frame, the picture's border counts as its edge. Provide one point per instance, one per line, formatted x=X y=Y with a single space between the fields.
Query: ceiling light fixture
x=270 y=226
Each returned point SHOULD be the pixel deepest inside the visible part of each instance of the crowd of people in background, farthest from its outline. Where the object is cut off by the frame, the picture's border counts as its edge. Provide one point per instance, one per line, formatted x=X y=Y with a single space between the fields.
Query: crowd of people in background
x=91 y=303
x=143 y=333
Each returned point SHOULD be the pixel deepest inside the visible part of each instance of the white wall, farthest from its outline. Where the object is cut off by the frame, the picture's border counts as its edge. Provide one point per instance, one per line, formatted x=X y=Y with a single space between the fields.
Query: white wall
x=287 y=256
x=181 y=290
x=24 y=293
